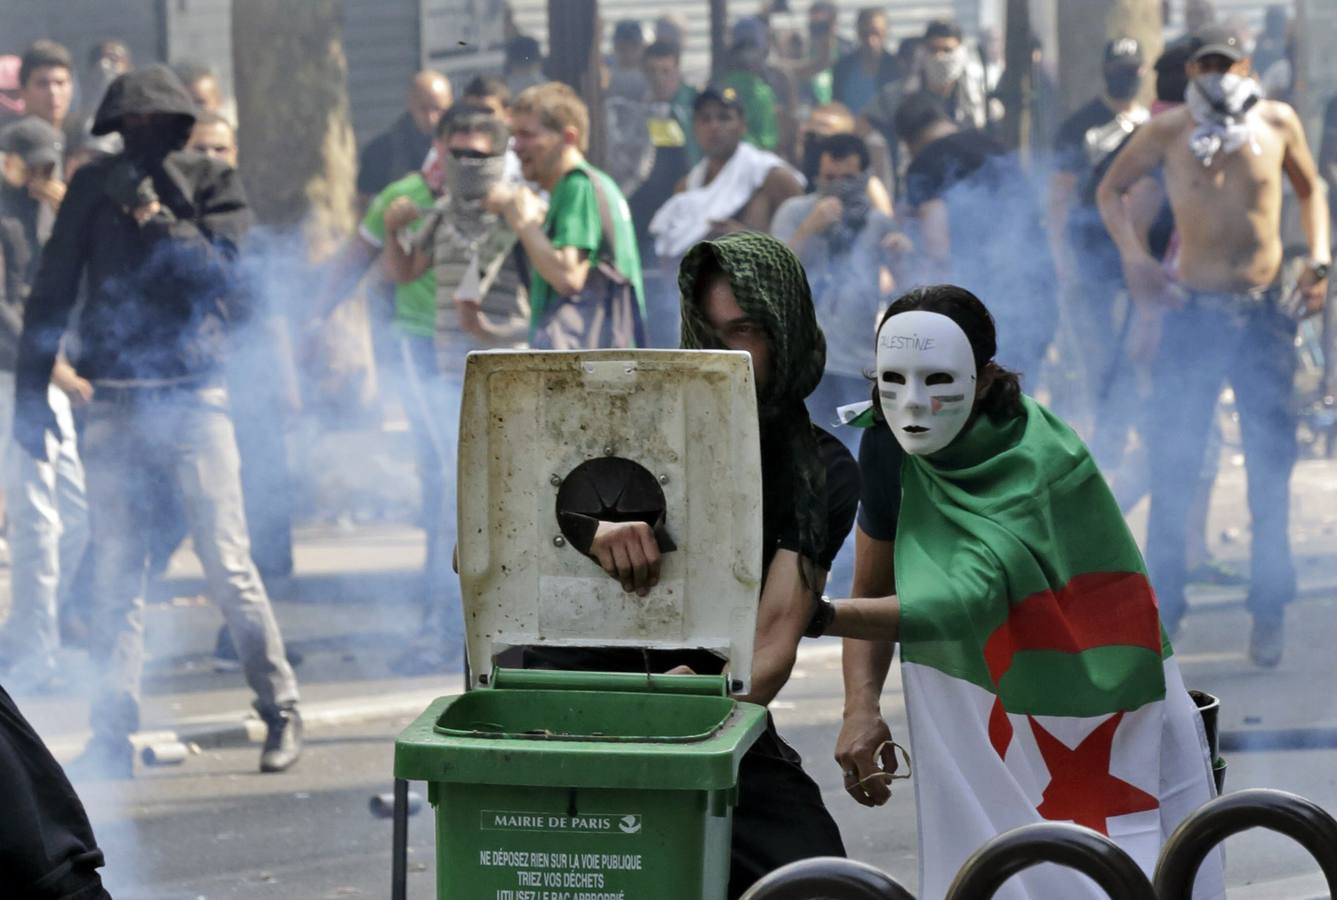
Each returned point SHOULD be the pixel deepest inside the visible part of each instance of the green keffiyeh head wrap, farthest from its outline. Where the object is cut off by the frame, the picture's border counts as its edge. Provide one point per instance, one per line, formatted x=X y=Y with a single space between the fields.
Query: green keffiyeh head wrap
x=771 y=287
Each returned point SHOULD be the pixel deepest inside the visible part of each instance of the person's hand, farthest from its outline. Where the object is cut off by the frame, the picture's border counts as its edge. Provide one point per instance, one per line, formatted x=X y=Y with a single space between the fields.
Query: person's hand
x=1314 y=291
x=857 y=751
x=142 y=214
x=629 y=552
x=50 y=191
x=79 y=390
x=33 y=420
x=401 y=212
x=897 y=244
x=1149 y=284
x=517 y=204
x=721 y=227
x=470 y=318
x=824 y=213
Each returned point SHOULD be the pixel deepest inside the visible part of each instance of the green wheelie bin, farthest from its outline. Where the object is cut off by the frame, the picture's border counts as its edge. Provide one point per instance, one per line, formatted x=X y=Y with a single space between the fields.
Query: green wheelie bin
x=566 y=785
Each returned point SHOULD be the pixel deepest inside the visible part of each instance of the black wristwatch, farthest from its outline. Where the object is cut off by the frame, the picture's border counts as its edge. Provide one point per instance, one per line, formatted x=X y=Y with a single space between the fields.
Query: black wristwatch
x=1319 y=270
x=822 y=617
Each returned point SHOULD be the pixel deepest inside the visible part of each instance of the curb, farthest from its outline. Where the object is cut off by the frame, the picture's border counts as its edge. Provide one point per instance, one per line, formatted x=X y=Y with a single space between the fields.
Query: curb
x=243 y=728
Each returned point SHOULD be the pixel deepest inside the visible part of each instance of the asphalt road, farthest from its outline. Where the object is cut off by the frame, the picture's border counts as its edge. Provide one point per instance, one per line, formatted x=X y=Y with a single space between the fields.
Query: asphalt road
x=214 y=829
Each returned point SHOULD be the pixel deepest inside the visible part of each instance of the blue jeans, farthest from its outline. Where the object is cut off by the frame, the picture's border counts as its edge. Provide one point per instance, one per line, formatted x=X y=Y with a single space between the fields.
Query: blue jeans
x=1251 y=344
x=132 y=441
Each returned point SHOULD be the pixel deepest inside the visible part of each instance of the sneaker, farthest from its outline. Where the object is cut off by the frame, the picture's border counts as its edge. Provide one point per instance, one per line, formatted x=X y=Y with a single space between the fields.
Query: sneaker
x=1267 y=641
x=283 y=741
x=105 y=758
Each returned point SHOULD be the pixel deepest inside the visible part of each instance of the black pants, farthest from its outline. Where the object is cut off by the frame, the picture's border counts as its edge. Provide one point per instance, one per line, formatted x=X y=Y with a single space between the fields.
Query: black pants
x=780 y=817
x=1251 y=343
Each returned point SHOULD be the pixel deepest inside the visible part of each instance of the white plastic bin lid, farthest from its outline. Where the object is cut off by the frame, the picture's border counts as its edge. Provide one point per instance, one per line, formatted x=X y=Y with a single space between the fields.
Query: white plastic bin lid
x=528 y=419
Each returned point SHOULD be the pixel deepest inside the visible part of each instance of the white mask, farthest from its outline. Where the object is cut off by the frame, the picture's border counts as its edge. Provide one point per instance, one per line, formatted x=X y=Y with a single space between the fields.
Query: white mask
x=926 y=379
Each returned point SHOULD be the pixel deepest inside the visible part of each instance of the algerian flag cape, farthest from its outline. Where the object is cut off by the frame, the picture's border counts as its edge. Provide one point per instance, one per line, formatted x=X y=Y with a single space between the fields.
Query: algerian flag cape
x=1038 y=681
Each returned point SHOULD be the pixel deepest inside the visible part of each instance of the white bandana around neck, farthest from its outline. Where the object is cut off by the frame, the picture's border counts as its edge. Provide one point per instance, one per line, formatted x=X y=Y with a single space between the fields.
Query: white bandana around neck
x=925 y=378
x=1220 y=104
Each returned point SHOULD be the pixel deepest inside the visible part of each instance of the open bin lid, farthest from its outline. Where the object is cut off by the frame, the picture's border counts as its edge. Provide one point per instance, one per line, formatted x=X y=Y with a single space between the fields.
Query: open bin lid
x=687 y=420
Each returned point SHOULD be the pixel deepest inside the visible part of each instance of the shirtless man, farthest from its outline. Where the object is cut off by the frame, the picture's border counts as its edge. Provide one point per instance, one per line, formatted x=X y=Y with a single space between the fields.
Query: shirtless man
x=735 y=186
x=717 y=120
x=1223 y=154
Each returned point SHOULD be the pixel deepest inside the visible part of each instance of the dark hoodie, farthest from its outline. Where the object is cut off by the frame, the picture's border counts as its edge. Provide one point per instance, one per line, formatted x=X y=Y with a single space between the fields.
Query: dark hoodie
x=47 y=849
x=159 y=296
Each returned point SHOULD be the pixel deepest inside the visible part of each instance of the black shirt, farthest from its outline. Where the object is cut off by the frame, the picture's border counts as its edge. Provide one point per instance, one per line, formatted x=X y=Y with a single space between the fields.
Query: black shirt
x=391 y=155
x=1070 y=143
x=842 y=500
x=47 y=848
x=1072 y=154
x=880 y=458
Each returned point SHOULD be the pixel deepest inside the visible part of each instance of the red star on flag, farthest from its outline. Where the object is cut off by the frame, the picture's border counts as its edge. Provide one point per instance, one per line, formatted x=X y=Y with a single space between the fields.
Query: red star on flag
x=1081 y=788
x=936 y=404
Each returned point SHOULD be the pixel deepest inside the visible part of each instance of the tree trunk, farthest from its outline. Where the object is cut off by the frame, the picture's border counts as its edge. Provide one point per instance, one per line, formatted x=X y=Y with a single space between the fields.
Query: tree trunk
x=573 y=57
x=1081 y=47
x=298 y=161
x=298 y=157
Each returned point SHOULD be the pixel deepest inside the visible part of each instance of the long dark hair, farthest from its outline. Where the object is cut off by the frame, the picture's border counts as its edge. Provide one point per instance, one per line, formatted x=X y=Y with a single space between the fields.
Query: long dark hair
x=1002 y=401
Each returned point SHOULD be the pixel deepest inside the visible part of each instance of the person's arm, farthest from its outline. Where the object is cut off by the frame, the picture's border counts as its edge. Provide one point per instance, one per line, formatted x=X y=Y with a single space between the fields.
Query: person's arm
x=783 y=615
x=865 y=665
x=824 y=213
x=1312 y=195
x=935 y=238
x=403 y=265
x=1145 y=151
x=1062 y=196
x=780 y=185
x=879 y=198
x=52 y=299
x=564 y=268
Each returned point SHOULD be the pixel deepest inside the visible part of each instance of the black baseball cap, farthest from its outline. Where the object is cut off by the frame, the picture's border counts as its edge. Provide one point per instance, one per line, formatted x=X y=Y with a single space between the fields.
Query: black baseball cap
x=1218 y=40
x=34 y=141
x=724 y=96
x=1123 y=51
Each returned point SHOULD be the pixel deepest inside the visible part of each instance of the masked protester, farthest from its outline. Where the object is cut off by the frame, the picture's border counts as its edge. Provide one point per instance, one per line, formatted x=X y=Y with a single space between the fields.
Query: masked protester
x=839 y=238
x=155 y=232
x=481 y=303
x=748 y=292
x=1038 y=680
x=1087 y=261
x=1223 y=313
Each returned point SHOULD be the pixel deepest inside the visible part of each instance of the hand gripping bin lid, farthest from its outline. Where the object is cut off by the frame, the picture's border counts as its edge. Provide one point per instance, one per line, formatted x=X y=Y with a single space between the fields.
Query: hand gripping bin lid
x=551 y=440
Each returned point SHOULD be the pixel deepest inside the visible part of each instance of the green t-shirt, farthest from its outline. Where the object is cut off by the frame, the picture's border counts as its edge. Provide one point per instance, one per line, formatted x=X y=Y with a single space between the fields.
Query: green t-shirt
x=573 y=221
x=759 y=105
x=415 y=302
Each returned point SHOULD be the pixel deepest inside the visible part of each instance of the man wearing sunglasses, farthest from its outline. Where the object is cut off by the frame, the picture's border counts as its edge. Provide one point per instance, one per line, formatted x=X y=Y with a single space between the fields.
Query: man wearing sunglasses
x=472 y=258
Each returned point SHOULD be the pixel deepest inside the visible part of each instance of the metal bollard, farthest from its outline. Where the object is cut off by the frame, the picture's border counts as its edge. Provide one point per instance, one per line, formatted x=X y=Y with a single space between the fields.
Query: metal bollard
x=399 y=843
x=1082 y=849
x=1299 y=819
x=828 y=877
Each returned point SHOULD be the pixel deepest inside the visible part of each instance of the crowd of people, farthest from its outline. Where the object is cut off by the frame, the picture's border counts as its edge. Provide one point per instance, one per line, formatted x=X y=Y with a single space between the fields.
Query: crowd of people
x=780 y=208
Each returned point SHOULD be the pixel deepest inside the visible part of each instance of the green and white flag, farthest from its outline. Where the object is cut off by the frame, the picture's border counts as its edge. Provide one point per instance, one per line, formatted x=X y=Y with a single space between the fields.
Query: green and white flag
x=1039 y=683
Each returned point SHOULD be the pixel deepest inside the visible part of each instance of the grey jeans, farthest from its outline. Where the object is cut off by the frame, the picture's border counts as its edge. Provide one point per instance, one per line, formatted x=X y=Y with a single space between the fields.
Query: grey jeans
x=131 y=439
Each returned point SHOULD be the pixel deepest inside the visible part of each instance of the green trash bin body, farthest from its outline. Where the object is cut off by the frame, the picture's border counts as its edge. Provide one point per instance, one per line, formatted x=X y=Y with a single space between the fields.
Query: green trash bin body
x=586 y=785
x=565 y=791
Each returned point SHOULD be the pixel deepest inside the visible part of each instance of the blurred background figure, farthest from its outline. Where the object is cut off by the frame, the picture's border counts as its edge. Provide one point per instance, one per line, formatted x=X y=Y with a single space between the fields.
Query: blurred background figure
x=523 y=67
x=402 y=147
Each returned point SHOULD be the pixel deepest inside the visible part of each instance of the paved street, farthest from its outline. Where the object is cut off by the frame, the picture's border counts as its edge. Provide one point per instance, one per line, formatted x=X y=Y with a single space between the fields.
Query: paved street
x=213 y=828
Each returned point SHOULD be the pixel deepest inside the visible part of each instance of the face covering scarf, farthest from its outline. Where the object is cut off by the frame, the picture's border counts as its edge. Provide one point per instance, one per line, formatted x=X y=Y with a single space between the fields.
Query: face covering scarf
x=1220 y=104
x=852 y=192
x=945 y=69
x=770 y=286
